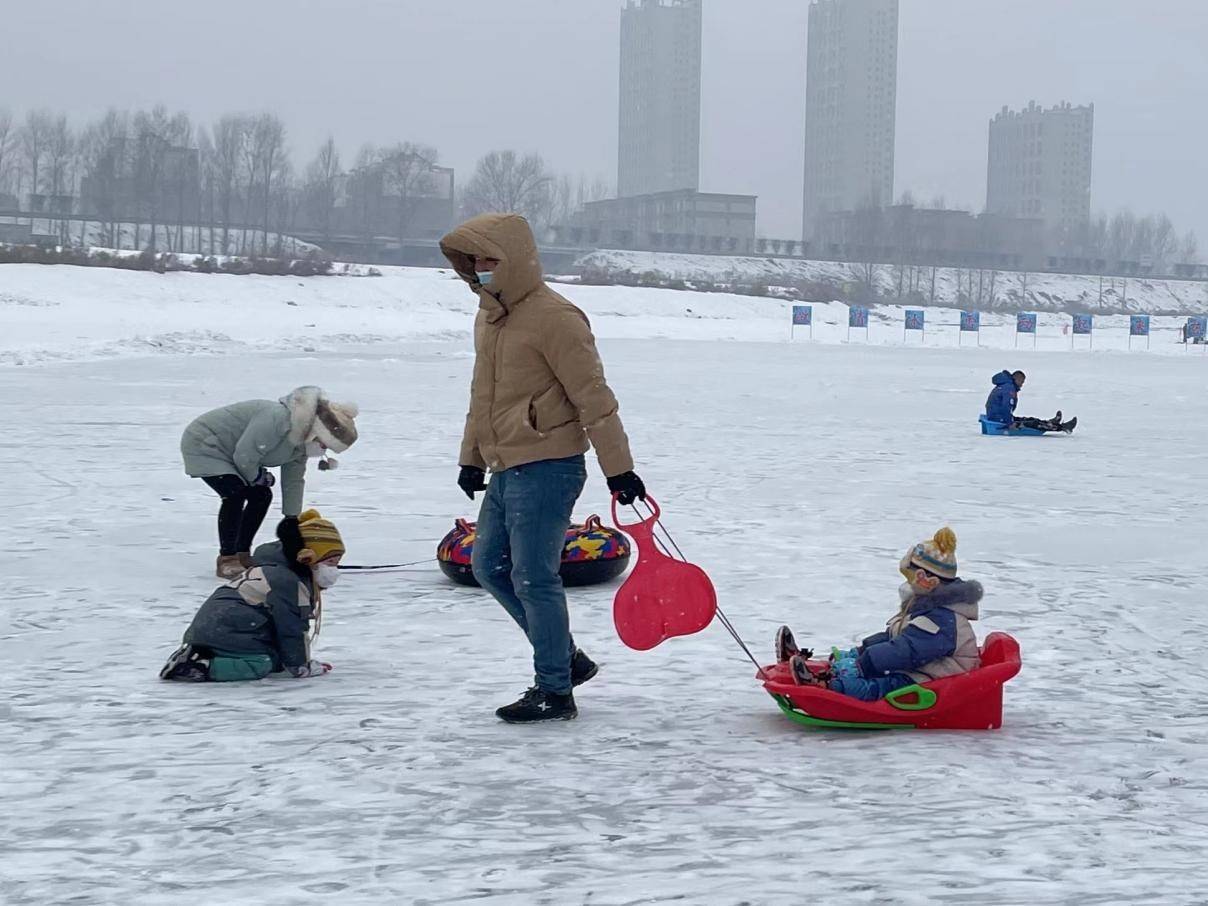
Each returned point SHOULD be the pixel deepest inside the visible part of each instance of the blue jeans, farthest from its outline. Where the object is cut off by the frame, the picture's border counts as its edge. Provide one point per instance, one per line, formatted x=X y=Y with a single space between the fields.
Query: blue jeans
x=518 y=552
x=869 y=690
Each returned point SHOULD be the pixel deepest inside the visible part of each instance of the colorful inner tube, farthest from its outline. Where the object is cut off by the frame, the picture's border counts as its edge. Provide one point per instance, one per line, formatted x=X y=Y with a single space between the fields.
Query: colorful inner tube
x=593 y=553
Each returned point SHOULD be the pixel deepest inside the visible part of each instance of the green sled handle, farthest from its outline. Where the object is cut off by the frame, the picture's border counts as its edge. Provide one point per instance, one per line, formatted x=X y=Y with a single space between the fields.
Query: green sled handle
x=926 y=698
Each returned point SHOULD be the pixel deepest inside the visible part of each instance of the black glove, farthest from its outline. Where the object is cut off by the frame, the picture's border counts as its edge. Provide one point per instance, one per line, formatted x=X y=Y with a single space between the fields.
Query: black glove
x=265 y=479
x=628 y=487
x=472 y=479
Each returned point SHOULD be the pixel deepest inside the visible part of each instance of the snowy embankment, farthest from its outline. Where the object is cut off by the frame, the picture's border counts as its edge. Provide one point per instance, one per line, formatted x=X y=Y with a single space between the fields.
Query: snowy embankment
x=1009 y=291
x=187 y=240
x=72 y=313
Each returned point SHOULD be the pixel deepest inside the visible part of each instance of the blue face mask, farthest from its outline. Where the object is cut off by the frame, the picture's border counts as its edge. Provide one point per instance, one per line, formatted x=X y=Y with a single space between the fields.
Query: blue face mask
x=484 y=277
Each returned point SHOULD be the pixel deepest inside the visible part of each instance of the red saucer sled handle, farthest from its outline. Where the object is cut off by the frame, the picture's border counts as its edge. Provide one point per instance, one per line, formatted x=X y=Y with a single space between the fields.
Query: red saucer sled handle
x=662 y=597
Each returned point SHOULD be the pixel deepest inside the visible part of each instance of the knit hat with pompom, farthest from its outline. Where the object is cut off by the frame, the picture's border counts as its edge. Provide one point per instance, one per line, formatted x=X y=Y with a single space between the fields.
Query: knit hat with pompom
x=937 y=556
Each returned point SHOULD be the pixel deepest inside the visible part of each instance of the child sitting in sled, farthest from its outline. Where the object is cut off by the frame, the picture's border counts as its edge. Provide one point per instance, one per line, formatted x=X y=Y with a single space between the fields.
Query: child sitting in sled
x=260 y=621
x=928 y=638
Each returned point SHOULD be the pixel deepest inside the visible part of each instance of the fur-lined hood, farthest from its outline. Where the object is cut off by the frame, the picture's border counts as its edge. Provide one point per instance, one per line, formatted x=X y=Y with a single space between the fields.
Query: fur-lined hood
x=312 y=416
x=958 y=596
x=303 y=406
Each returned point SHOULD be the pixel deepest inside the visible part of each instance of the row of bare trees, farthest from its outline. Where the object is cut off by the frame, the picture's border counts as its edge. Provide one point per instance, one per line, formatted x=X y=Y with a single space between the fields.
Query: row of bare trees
x=1151 y=240
x=508 y=181
x=153 y=178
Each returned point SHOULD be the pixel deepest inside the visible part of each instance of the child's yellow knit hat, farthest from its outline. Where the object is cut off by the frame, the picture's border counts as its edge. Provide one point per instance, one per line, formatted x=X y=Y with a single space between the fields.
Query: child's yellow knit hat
x=320 y=535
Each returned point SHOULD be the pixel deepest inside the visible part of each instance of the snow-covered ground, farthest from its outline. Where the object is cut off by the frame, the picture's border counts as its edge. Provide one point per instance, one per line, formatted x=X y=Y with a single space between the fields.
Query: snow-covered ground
x=796 y=474
x=1005 y=291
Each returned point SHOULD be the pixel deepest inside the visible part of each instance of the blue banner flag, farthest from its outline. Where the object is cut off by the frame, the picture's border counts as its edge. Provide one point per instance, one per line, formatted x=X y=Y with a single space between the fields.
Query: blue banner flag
x=971 y=321
x=803 y=315
x=1025 y=322
x=914 y=319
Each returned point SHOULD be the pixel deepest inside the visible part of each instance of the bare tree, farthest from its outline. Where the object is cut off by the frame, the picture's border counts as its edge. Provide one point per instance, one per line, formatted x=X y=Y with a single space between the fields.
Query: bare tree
x=205 y=194
x=1189 y=251
x=365 y=189
x=1023 y=278
x=154 y=135
x=286 y=201
x=8 y=139
x=1164 y=245
x=266 y=157
x=868 y=235
x=34 y=137
x=105 y=159
x=320 y=186
x=228 y=142
x=60 y=150
x=406 y=177
x=503 y=181
x=1121 y=231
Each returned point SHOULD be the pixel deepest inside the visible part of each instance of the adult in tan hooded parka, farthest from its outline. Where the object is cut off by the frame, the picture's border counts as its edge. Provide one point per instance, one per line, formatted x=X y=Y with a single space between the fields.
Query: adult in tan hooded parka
x=538 y=400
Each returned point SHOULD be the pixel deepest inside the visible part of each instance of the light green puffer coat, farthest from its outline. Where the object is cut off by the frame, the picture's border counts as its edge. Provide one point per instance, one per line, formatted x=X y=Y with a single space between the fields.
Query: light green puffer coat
x=242 y=438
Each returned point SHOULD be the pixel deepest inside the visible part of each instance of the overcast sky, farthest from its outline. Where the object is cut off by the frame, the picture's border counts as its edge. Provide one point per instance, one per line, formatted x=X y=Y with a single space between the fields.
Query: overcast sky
x=473 y=75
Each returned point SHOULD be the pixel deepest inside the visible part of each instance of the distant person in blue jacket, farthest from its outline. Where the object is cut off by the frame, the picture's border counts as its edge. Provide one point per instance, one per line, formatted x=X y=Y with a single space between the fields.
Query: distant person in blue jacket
x=930 y=636
x=1000 y=406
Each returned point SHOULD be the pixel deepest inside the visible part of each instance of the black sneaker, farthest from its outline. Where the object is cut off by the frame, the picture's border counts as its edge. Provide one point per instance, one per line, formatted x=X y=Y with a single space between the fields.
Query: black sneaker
x=537 y=705
x=582 y=668
x=1068 y=427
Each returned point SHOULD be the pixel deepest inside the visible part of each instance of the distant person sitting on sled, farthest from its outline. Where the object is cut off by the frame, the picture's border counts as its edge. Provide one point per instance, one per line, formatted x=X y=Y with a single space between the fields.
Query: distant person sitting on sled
x=232 y=449
x=261 y=621
x=1000 y=406
x=930 y=636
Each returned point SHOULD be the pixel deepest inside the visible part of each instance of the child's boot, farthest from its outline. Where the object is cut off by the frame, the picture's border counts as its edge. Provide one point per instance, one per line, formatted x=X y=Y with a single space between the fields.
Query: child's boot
x=802 y=675
x=786 y=645
x=187 y=664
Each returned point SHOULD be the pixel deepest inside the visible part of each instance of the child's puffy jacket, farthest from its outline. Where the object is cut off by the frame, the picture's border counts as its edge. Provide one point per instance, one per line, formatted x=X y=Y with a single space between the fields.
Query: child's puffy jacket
x=929 y=638
x=266 y=610
x=1000 y=404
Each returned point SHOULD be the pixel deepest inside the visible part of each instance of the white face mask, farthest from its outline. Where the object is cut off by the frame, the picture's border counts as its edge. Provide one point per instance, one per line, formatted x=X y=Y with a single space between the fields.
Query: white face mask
x=326 y=575
x=314 y=449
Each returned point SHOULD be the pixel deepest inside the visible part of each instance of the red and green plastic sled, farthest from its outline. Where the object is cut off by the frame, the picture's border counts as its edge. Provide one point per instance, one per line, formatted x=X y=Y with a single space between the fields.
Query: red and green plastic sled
x=967 y=701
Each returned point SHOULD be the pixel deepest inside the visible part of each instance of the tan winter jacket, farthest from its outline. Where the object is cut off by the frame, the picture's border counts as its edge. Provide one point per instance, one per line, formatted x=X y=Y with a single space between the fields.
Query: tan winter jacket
x=538 y=390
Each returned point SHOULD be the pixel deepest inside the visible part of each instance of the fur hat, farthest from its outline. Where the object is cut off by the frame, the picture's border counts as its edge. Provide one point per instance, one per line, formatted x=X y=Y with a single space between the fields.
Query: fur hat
x=320 y=535
x=937 y=556
x=334 y=425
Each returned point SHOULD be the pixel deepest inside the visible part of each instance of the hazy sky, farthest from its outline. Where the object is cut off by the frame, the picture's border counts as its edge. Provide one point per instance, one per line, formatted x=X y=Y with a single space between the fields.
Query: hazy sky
x=472 y=75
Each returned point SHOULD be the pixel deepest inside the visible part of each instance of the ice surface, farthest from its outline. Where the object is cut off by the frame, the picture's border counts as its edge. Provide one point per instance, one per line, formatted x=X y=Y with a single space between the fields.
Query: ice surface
x=796 y=474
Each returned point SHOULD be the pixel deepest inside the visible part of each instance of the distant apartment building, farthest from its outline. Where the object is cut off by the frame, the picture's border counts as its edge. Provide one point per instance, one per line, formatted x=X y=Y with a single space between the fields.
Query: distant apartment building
x=659 y=127
x=851 y=99
x=1040 y=166
x=685 y=220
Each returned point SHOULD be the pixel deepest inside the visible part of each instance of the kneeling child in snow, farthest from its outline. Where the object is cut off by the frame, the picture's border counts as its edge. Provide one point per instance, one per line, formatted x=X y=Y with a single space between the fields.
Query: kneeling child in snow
x=260 y=621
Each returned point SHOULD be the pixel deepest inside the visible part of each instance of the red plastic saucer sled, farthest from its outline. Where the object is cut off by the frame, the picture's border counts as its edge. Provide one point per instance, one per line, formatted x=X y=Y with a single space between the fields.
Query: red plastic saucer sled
x=662 y=597
x=967 y=701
